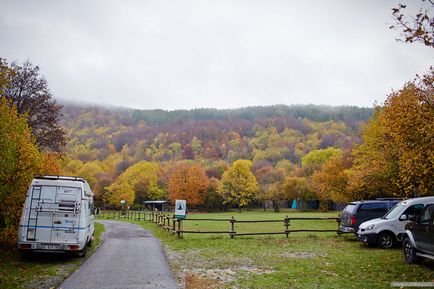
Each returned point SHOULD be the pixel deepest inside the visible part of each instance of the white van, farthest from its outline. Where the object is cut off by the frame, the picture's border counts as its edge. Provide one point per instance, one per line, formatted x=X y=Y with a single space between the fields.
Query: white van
x=390 y=228
x=57 y=216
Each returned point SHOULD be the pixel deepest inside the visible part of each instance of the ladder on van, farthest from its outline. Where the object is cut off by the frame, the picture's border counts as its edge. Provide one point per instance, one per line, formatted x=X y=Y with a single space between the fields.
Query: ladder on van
x=32 y=222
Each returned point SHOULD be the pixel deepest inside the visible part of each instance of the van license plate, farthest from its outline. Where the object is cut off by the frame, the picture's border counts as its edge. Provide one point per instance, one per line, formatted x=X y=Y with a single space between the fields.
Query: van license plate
x=51 y=247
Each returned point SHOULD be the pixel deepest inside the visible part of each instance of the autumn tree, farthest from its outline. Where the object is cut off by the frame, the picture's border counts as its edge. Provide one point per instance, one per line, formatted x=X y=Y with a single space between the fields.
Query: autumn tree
x=397 y=158
x=409 y=120
x=29 y=92
x=331 y=181
x=313 y=161
x=298 y=188
x=119 y=191
x=238 y=185
x=375 y=169
x=190 y=183
x=19 y=161
x=143 y=178
x=270 y=182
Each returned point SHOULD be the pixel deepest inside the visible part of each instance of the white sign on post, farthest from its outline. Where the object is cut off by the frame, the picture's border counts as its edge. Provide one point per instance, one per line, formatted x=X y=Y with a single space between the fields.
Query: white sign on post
x=180 y=209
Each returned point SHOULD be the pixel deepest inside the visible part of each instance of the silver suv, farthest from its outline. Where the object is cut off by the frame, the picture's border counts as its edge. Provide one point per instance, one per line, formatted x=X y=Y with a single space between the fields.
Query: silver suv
x=389 y=229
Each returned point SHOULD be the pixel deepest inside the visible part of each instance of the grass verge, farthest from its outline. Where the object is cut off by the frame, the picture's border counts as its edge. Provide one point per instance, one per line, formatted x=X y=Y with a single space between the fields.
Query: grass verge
x=41 y=270
x=304 y=260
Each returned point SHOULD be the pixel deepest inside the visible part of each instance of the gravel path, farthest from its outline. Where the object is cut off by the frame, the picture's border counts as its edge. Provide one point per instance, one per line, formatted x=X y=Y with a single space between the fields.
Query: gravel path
x=130 y=257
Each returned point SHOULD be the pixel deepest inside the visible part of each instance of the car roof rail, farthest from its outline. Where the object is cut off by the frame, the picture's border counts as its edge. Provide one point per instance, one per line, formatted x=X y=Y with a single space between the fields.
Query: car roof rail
x=56 y=177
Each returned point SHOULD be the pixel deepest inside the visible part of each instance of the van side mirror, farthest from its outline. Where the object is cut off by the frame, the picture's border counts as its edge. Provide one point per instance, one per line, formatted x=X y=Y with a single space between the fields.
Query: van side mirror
x=404 y=218
x=414 y=218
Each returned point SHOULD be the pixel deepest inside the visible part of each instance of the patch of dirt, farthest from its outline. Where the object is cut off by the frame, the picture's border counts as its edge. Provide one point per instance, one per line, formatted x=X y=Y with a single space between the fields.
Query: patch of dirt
x=192 y=268
x=193 y=281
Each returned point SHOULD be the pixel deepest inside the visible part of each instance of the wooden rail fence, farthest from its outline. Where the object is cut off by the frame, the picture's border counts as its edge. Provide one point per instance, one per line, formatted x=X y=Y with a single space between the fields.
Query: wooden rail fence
x=168 y=222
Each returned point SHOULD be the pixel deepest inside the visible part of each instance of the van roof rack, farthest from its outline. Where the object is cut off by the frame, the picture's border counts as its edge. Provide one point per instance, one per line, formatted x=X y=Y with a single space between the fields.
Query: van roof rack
x=65 y=178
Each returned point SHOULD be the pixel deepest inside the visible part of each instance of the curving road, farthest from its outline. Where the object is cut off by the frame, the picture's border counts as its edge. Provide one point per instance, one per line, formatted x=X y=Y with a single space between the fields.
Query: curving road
x=130 y=257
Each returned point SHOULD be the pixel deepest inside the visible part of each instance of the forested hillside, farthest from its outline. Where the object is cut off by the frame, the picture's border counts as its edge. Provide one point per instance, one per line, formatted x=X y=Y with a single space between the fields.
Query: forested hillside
x=105 y=143
x=271 y=133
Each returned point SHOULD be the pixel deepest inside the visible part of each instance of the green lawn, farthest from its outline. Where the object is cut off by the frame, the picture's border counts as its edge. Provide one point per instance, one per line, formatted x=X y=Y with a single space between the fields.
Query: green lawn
x=40 y=271
x=304 y=260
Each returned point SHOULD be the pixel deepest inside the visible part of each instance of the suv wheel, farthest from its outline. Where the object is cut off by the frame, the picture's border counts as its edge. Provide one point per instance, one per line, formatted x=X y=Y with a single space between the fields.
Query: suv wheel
x=386 y=240
x=410 y=252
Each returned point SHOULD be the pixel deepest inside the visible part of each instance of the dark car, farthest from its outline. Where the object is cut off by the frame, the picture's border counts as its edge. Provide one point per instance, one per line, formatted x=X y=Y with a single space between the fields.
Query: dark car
x=418 y=242
x=358 y=212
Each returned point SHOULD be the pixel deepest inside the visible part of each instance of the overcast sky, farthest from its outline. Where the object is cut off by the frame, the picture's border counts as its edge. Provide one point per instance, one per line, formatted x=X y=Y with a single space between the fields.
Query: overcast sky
x=177 y=54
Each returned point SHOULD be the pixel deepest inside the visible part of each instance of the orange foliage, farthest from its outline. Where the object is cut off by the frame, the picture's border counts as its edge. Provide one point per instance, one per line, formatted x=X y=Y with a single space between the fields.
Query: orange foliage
x=50 y=163
x=188 y=182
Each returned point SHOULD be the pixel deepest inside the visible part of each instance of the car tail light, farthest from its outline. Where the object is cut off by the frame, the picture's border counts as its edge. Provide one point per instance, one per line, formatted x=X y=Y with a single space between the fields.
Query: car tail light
x=73 y=248
x=353 y=220
x=25 y=246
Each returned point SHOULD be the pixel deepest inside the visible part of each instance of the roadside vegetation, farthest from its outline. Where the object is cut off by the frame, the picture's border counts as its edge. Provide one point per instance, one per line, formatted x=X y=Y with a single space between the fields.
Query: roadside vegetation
x=40 y=270
x=304 y=260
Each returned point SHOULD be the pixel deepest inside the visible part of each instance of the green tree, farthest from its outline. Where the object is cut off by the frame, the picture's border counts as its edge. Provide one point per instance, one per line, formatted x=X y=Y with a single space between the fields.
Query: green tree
x=313 y=161
x=238 y=185
x=19 y=162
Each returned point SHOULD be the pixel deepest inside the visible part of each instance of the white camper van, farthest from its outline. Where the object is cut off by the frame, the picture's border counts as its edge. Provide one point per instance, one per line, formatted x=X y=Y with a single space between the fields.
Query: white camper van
x=57 y=216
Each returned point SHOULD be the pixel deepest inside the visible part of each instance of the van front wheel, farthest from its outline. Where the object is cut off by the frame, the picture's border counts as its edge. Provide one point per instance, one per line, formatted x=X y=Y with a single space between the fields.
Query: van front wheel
x=386 y=240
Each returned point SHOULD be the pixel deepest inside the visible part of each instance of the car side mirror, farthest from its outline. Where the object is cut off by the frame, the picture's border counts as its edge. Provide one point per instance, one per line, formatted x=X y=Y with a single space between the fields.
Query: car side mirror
x=404 y=218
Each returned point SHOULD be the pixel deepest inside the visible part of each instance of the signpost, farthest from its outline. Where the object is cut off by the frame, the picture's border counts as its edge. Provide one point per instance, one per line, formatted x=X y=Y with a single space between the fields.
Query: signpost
x=180 y=209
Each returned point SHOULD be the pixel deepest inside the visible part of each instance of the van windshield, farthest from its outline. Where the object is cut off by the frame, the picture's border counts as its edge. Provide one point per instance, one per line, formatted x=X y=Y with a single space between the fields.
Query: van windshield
x=395 y=211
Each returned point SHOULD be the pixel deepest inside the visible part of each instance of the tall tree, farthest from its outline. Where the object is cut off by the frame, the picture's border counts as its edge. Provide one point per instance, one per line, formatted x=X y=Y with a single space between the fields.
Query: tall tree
x=397 y=156
x=190 y=183
x=409 y=119
x=29 y=92
x=238 y=185
x=331 y=182
x=19 y=161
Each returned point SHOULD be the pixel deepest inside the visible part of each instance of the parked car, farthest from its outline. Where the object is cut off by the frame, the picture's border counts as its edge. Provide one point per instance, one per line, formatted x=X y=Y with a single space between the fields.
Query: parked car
x=390 y=228
x=358 y=212
x=418 y=241
x=57 y=216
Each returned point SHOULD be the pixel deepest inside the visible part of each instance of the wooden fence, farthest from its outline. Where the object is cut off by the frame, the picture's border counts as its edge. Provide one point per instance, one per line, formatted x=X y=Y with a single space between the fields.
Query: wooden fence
x=168 y=222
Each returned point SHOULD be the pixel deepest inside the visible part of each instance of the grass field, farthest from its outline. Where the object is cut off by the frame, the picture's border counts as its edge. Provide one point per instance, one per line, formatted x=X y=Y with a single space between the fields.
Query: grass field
x=40 y=271
x=304 y=260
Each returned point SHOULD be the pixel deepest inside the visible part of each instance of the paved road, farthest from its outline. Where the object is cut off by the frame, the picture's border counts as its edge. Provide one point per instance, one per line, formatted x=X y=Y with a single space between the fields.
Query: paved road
x=130 y=257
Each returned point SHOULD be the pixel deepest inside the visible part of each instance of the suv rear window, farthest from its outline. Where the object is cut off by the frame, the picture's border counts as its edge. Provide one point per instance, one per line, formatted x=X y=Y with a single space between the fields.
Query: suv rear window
x=350 y=208
x=373 y=208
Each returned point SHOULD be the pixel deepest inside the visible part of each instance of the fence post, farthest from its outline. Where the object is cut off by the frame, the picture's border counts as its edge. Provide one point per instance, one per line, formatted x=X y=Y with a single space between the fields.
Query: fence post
x=232 y=233
x=179 y=228
x=338 y=220
x=286 y=226
x=173 y=225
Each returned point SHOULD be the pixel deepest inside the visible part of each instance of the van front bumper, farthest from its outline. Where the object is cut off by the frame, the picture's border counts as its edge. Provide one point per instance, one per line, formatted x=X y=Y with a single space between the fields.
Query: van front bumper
x=370 y=238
